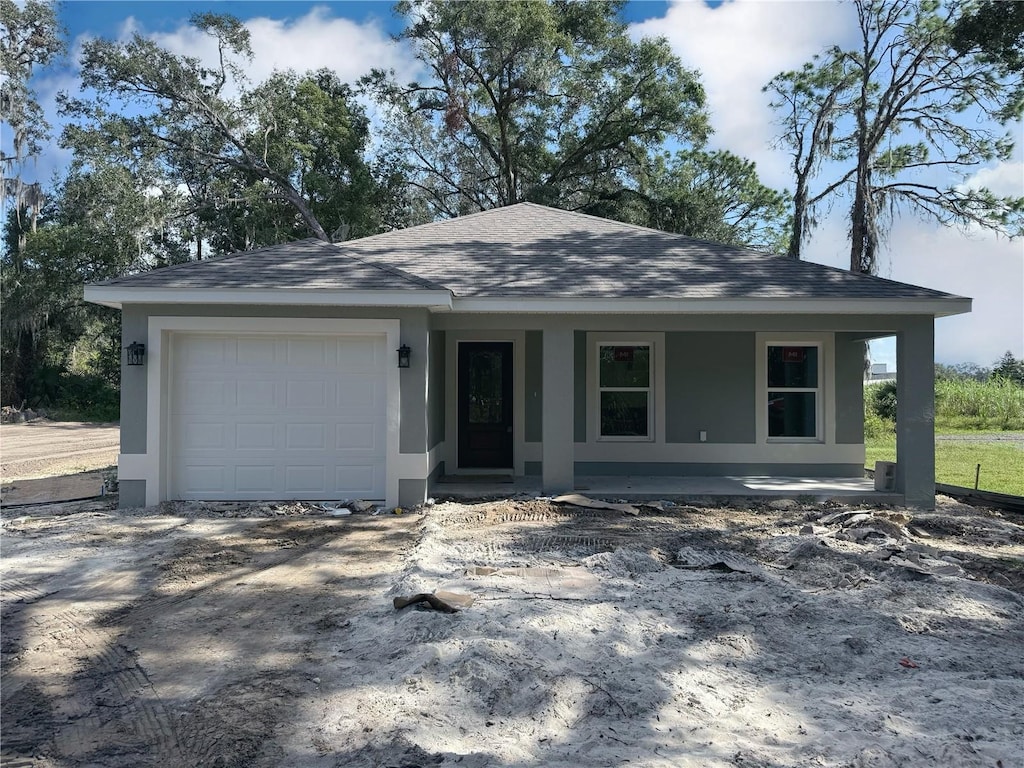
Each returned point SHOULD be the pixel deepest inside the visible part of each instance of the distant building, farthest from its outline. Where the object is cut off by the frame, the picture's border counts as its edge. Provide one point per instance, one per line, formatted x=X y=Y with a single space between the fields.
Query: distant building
x=881 y=372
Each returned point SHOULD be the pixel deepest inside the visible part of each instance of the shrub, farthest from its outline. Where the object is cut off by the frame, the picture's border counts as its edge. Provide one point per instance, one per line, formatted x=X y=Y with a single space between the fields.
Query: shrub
x=875 y=426
x=86 y=397
x=880 y=399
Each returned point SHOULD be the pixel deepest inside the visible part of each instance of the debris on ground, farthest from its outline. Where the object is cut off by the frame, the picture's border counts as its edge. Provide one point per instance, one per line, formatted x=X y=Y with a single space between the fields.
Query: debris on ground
x=445 y=602
x=691 y=636
x=579 y=500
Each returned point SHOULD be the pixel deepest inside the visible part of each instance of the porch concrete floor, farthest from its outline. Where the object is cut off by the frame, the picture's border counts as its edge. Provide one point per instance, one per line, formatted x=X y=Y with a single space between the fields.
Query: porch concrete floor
x=849 y=489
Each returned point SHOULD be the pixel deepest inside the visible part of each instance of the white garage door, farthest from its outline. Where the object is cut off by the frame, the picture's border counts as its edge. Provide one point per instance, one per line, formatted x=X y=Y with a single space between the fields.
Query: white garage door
x=277 y=417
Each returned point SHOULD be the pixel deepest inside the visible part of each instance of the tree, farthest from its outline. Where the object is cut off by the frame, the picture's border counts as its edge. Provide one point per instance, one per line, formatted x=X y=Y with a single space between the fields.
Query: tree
x=95 y=226
x=544 y=101
x=894 y=117
x=709 y=195
x=30 y=38
x=995 y=29
x=1010 y=368
x=811 y=101
x=291 y=147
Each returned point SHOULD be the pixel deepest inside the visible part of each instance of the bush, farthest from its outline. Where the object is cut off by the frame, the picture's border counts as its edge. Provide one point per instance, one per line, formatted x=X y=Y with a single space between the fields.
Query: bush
x=875 y=426
x=880 y=400
x=86 y=397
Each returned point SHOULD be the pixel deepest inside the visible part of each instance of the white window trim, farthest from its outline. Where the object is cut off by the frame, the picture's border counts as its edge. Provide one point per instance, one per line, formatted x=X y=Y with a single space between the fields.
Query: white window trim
x=825 y=402
x=656 y=398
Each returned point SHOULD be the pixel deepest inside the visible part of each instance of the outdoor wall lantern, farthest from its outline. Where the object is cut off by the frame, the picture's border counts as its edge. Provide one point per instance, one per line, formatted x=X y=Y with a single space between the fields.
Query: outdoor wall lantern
x=404 y=354
x=135 y=353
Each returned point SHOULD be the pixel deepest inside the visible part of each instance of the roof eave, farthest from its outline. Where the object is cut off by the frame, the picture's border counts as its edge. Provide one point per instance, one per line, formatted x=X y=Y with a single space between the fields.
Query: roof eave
x=938 y=306
x=118 y=296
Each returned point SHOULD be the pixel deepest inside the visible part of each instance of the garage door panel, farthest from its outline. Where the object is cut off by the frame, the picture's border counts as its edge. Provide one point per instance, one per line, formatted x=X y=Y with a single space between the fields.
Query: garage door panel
x=202 y=436
x=255 y=437
x=255 y=478
x=257 y=351
x=360 y=480
x=200 y=394
x=202 y=478
x=359 y=356
x=359 y=437
x=256 y=393
x=209 y=351
x=306 y=479
x=278 y=417
x=305 y=394
x=304 y=437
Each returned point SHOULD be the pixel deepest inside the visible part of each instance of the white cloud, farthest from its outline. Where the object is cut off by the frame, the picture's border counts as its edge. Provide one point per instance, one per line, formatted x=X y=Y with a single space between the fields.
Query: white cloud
x=316 y=40
x=738 y=47
x=1005 y=178
x=984 y=267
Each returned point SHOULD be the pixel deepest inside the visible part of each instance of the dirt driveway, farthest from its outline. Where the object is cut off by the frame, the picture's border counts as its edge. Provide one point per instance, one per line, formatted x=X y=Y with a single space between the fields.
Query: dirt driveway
x=264 y=636
x=55 y=460
x=177 y=640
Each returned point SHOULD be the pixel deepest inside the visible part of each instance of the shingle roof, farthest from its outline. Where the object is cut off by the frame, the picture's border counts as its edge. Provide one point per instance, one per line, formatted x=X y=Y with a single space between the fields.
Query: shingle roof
x=308 y=263
x=531 y=251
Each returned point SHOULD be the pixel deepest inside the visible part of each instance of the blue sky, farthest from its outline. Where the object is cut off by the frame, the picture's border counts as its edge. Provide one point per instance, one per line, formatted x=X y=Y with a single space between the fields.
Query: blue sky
x=737 y=45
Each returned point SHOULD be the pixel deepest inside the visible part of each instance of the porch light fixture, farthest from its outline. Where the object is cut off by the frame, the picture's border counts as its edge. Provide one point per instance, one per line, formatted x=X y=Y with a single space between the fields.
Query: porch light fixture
x=404 y=355
x=135 y=353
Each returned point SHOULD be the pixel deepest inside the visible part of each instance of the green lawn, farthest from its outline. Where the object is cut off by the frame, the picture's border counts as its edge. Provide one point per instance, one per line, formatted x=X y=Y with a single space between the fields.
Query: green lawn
x=1002 y=463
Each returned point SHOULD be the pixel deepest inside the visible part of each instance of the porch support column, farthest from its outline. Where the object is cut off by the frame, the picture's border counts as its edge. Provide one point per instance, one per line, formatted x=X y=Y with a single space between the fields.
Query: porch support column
x=557 y=411
x=915 y=412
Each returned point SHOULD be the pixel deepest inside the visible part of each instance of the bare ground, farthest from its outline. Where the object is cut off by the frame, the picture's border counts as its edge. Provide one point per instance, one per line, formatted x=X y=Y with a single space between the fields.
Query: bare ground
x=264 y=636
x=44 y=460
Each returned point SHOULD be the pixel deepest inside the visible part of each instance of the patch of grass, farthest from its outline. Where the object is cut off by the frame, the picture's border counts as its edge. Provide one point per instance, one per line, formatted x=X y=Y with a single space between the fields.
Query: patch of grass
x=961 y=405
x=996 y=404
x=1002 y=463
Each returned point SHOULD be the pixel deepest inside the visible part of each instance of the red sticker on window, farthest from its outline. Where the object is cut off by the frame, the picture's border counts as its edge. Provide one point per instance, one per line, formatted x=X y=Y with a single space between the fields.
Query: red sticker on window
x=794 y=354
x=623 y=354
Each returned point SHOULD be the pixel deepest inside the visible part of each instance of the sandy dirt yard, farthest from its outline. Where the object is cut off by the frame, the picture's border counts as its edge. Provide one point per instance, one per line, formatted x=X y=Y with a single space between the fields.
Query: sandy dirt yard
x=54 y=460
x=793 y=635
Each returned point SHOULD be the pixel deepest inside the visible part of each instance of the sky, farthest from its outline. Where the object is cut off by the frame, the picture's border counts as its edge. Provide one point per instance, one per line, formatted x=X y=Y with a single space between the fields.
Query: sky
x=737 y=45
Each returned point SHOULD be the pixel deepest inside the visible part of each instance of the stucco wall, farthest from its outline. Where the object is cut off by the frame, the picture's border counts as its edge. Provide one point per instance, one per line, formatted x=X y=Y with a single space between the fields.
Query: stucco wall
x=710 y=386
x=436 y=390
x=849 y=388
x=533 y=376
x=710 y=381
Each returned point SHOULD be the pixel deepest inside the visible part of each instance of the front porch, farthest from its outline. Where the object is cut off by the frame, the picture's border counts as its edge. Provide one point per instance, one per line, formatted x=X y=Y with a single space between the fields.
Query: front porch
x=750 y=488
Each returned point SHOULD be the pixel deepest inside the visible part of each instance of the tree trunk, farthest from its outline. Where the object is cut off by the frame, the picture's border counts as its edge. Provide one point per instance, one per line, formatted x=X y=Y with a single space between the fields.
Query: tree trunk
x=796 y=238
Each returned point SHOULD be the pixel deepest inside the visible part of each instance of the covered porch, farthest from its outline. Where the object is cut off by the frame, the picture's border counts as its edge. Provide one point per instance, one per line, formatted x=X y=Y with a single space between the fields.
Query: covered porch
x=749 y=488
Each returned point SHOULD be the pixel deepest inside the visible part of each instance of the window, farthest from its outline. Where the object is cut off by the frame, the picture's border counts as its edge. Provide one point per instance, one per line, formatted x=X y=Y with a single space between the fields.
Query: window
x=624 y=391
x=794 y=392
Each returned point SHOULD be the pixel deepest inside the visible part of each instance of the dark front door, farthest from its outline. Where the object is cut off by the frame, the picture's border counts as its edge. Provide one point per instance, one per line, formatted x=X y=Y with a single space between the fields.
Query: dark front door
x=485 y=404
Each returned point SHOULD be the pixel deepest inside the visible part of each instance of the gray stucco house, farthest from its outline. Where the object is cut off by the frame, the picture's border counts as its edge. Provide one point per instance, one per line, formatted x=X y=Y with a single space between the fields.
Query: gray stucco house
x=539 y=342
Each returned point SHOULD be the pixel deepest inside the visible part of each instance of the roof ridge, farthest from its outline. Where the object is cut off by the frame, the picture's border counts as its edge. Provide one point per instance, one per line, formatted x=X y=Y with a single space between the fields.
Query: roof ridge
x=392 y=270
x=650 y=230
x=426 y=225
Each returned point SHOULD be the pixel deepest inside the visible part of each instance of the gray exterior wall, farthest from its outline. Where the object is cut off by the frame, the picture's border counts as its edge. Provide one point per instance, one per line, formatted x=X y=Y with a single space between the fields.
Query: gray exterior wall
x=709 y=378
x=709 y=382
x=849 y=389
x=134 y=327
x=579 y=356
x=533 y=385
x=436 y=389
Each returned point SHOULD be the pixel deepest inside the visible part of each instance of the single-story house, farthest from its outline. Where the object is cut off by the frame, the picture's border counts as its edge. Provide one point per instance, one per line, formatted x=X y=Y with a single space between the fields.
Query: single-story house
x=523 y=340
